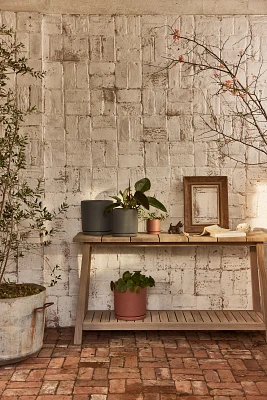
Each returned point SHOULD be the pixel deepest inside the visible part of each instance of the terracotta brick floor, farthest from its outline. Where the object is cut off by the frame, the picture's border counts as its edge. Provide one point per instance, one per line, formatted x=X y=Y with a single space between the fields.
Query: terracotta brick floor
x=141 y=366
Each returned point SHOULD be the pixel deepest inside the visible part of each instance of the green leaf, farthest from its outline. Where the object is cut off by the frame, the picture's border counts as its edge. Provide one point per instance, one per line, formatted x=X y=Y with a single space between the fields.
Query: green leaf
x=126 y=276
x=122 y=286
x=111 y=206
x=143 y=185
x=116 y=198
x=156 y=203
x=141 y=199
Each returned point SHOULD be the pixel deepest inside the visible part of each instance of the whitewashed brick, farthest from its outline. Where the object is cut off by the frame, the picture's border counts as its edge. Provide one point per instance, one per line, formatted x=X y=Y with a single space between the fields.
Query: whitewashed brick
x=108 y=48
x=84 y=127
x=69 y=75
x=24 y=37
x=78 y=108
x=53 y=75
x=75 y=24
x=129 y=96
x=155 y=128
x=128 y=48
x=130 y=156
x=181 y=154
x=9 y=19
x=129 y=109
x=227 y=282
x=71 y=126
x=76 y=95
x=133 y=24
x=227 y=25
x=95 y=48
x=121 y=74
x=78 y=153
x=53 y=102
x=35 y=46
x=104 y=134
x=82 y=75
x=134 y=75
x=52 y=24
x=102 y=75
x=55 y=154
x=101 y=25
x=55 y=180
x=75 y=48
x=173 y=128
x=111 y=154
x=235 y=302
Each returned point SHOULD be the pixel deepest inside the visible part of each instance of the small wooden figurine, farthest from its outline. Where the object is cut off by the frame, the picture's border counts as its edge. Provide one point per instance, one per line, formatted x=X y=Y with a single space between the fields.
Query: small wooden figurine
x=175 y=228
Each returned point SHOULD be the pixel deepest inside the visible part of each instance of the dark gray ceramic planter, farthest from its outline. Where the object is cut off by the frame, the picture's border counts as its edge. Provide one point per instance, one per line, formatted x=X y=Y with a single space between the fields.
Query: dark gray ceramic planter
x=124 y=222
x=94 y=222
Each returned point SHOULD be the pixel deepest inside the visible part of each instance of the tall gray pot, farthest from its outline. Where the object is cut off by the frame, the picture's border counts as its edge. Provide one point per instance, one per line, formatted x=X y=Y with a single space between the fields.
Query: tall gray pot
x=124 y=222
x=94 y=222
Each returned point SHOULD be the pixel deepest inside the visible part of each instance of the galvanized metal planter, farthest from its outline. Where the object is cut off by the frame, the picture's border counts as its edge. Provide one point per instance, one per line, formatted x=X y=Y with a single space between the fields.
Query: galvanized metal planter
x=22 y=322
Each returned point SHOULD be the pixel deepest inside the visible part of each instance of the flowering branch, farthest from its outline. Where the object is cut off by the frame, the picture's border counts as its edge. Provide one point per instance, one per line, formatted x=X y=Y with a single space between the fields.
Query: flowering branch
x=242 y=117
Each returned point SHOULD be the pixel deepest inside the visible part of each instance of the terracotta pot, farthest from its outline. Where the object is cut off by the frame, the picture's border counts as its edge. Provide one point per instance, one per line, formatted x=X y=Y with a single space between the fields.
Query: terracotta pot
x=130 y=306
x=153 y=226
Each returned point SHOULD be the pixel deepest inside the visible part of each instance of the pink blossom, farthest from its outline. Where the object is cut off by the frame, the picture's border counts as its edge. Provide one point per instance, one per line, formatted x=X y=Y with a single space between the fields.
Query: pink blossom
x=228 y=84
x=176 y=34
x=181 y=58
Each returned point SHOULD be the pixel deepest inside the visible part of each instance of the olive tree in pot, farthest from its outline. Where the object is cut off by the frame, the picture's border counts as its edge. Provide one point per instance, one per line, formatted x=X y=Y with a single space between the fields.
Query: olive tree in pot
x=130 y=295
x=22 y=214
x=125 y=208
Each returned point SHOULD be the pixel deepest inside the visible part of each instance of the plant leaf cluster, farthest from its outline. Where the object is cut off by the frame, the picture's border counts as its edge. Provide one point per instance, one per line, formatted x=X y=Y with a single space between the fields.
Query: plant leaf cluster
x=9 y=290
x=134 y=200
x=22 y=213
x=133 y=281
x=142 y=214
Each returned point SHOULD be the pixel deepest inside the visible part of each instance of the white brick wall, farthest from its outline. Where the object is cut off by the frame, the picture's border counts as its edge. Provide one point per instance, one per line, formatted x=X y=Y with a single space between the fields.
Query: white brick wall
x=107 y=119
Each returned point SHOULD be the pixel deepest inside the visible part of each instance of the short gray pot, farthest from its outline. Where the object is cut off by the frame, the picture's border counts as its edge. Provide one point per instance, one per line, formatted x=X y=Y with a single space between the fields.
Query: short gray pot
x=124 y=222
x=94 y=221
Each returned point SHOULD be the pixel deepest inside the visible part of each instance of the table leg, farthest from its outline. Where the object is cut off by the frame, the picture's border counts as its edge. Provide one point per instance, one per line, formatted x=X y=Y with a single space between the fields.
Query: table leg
x=256 y=299
x=263 y=280
x=83 y=293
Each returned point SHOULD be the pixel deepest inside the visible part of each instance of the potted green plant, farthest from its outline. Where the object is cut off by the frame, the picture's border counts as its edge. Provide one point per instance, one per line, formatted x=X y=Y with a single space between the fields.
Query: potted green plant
x=22 y=215
x=125 y=208
x=153 y=220
x=130 y=295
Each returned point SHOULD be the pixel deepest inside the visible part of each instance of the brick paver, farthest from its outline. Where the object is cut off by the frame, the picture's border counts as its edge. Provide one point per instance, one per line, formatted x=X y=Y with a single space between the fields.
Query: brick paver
x=141 y=366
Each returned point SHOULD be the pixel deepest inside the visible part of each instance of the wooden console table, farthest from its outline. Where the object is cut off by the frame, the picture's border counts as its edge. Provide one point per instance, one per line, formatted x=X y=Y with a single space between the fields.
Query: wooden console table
x=255 y=319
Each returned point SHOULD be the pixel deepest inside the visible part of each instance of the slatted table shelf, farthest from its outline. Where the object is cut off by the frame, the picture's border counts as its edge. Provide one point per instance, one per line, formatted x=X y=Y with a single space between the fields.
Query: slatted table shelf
x=177 y=320
x=255 y=319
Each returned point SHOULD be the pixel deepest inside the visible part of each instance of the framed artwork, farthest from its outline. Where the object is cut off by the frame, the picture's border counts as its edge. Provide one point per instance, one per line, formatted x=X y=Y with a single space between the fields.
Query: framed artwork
x=205 y=202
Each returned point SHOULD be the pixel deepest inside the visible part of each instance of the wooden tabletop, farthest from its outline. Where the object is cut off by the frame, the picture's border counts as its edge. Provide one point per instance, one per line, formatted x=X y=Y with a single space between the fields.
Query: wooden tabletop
x=164 y=238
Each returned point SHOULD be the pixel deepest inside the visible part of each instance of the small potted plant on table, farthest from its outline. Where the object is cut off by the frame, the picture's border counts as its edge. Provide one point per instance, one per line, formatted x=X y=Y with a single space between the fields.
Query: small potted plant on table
x=125 y=208
x=130 y=294
x=153 y=220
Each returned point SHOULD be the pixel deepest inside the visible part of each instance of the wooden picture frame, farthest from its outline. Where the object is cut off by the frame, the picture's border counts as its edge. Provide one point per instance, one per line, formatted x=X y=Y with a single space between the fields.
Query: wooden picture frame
x=205 y=202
